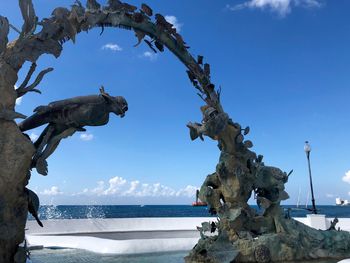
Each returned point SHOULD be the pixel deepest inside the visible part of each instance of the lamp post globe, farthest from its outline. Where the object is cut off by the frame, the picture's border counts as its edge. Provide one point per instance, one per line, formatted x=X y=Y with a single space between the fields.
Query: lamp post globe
x=307 y=148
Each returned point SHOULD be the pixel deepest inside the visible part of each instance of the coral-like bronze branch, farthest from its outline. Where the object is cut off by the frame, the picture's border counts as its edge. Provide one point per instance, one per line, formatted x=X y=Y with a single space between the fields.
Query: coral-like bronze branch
x=29 y=17
x=4 y=31
x=23 y=88
x=64 y=24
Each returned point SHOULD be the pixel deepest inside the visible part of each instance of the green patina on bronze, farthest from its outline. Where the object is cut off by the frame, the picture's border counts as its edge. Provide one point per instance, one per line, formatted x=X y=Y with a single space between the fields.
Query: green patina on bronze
x=65 y=117
x=243 y=235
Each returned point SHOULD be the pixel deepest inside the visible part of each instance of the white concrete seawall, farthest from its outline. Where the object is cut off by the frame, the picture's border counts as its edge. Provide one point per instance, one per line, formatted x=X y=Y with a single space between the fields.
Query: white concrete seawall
x=323 y=223
x=63 y=226
x=134 y=235
x=117 y=236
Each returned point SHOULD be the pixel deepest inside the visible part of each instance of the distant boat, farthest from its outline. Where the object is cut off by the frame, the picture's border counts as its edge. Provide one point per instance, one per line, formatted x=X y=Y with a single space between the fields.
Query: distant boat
x=198 y=202
x=341 y=202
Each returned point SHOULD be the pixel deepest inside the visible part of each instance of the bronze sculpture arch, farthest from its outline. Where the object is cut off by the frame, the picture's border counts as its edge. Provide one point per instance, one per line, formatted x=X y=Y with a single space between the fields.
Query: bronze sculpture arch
x=243 y=235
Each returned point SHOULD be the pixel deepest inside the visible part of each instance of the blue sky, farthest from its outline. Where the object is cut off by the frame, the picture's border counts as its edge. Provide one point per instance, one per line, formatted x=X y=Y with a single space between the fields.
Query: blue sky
x=284 y=68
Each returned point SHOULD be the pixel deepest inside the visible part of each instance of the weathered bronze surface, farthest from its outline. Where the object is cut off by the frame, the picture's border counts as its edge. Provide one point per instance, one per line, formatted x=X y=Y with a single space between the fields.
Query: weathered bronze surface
x=243 y=235
x=65 y=117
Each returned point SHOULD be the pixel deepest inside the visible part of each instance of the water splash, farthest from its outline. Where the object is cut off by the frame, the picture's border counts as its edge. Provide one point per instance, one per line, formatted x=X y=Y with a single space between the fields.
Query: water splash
x=95 y=212
x=50 y=212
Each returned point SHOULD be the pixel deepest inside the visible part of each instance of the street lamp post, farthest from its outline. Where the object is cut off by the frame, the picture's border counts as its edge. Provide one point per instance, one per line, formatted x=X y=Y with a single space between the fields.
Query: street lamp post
x=307 y=149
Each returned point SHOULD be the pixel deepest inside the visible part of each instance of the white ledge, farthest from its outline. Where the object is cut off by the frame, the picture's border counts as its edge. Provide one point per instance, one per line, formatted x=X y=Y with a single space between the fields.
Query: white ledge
x=133 y=235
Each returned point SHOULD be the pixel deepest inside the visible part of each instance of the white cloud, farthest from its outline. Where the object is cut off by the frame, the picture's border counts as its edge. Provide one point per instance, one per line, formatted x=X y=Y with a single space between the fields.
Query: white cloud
x=99 y=189
x=173 y=20
x=52 y=191
x=33 y=136
x=118 y=186
x=115 y=185
x=154 y=190
x=133 y=187
x=19 y=101
x=111 y=46
x=84 y=192
x=150 y=55
x=346 y=177
x=330 y=195
x=188 y=191
x=86 y=136
x=281 y=7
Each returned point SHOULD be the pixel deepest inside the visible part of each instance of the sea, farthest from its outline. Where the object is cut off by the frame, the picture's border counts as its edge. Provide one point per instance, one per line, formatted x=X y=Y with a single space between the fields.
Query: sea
x=48 y=212
x=134 y=211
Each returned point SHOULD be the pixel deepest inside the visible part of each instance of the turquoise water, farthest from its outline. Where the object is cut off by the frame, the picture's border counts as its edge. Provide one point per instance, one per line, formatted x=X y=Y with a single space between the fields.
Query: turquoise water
x=80 y=256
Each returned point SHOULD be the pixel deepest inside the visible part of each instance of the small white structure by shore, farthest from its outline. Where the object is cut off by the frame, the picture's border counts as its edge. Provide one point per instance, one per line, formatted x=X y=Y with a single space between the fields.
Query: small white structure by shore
x=339 y=201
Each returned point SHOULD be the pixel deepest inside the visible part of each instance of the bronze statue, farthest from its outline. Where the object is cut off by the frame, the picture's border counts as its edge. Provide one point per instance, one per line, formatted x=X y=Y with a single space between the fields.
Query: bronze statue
x=65 y=117
x=333 y=224
x=33 y=205
x=243 y=235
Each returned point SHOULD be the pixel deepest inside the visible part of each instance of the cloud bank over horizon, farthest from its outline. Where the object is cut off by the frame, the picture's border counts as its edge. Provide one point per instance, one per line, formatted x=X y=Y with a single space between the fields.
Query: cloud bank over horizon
x=120 y=191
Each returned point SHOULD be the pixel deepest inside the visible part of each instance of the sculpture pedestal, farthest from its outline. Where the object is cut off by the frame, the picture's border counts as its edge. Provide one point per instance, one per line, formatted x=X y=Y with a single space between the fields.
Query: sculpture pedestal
x=317 y=221
x=295 y=242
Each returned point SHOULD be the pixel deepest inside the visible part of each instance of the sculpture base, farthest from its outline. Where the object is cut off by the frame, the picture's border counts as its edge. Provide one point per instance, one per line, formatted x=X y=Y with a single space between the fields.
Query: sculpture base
x=297 y=242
